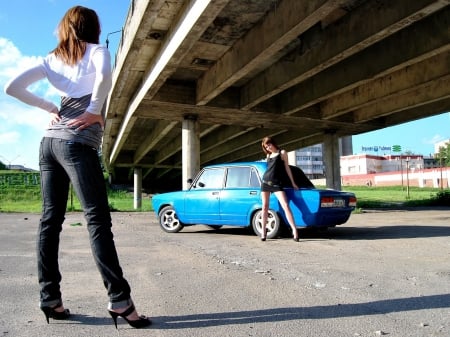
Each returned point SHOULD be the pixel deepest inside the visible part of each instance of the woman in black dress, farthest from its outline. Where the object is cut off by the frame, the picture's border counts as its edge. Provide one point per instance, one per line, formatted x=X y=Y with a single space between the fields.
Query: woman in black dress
x=277 y=167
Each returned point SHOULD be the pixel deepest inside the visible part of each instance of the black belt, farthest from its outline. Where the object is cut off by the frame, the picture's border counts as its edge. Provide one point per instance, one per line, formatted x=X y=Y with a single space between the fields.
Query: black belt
x=271 y=183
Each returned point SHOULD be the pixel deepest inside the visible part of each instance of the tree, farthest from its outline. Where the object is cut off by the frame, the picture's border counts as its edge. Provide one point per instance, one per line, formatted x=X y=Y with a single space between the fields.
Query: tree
x=444 y=155
x=2 y=166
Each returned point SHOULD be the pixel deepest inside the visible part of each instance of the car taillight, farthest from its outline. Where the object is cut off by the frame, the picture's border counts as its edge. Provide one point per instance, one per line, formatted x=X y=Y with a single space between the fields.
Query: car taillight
x=337 y=202
x=327 y=202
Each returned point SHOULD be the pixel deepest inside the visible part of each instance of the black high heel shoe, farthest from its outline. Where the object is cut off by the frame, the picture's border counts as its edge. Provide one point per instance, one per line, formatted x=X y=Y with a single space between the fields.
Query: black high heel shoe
x=142 y=322
x=263 y=238
x=50 y=312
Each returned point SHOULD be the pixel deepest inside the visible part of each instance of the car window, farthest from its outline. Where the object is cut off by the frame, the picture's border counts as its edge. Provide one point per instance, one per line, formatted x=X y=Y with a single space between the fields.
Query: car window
x=254 y=179
x=210 y=178
x=243 y=177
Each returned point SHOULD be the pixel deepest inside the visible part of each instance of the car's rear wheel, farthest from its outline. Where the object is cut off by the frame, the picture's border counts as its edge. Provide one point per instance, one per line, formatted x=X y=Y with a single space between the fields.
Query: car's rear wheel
x=273 y=225
x=168 y=220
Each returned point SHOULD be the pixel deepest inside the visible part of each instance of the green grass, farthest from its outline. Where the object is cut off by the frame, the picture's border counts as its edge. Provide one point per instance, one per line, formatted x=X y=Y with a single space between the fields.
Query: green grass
x=398 y=196
x=28 y=199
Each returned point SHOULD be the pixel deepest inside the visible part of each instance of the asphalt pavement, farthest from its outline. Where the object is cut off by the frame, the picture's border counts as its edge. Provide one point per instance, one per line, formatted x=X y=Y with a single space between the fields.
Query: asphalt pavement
x=381 y=273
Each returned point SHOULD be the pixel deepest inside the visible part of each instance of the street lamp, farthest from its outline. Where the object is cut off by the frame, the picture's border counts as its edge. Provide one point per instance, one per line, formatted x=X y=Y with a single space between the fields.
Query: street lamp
x=407 y=177
x=107 y=36
x=401 y=168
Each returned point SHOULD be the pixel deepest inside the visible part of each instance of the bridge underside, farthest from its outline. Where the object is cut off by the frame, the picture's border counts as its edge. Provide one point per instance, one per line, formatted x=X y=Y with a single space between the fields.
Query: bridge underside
x=244 y=69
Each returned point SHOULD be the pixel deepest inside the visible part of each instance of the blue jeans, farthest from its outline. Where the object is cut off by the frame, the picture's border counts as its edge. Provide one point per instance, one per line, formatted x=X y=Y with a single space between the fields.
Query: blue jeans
x=62 y=162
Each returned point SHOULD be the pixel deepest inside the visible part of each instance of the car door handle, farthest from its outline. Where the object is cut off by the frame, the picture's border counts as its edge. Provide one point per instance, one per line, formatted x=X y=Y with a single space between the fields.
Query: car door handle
x=215 y=193
x=253 y=192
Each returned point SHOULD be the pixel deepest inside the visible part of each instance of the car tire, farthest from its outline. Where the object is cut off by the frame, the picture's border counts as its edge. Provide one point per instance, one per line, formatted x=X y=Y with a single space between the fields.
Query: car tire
x=168 y=220
x=273 y=226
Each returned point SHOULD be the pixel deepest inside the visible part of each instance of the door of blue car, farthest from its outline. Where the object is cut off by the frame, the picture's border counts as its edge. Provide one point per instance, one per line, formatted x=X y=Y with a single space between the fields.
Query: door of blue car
x=202 y=200
x=240 y=195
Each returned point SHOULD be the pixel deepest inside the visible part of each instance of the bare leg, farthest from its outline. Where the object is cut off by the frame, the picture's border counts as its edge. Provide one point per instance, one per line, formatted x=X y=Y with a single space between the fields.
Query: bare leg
x=281 y=196
x=265 y=208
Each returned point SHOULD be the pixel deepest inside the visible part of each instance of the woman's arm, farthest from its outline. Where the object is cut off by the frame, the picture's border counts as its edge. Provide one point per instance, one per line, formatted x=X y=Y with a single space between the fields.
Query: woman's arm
x=18 y=88
x=284 y=156
x=103 y=80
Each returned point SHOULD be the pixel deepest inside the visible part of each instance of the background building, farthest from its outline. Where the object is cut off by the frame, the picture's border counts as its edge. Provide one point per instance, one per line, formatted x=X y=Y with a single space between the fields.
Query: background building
x=310 y=159
x=375 y=170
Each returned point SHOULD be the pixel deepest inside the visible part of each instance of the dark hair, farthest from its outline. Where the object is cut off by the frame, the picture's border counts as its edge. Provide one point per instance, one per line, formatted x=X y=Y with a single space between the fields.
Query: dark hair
x=79 y=26
x=268 y=140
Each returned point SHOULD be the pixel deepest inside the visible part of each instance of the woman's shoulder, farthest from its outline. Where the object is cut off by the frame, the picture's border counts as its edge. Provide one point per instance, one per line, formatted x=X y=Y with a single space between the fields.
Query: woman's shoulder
x=97 y=51
x=92 y=48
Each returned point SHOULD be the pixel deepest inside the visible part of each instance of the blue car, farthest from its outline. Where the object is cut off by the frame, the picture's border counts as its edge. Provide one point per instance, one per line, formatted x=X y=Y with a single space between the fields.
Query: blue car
x=229 y=194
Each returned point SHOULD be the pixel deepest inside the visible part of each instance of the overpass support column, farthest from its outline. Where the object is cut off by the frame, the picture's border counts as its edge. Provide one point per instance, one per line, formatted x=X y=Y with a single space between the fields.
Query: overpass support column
x=331 y=158
x=190 y=144
x=137 y=198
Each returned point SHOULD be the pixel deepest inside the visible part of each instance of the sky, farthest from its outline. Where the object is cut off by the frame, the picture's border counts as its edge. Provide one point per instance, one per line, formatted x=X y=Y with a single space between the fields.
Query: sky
x=27 y=34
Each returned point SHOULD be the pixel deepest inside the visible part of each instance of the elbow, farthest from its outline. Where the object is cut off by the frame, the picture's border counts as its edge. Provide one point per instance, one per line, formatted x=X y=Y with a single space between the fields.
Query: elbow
x=7 y=89
x=10 y=88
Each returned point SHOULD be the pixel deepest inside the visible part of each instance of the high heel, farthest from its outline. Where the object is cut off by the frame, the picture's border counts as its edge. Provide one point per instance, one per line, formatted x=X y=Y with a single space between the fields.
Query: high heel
x=142 y=322
x=295 y=236
x=263 y=238
x=50 y=312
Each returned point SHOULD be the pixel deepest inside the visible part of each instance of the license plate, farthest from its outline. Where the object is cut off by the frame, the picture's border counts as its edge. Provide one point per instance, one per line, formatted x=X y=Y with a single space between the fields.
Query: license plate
x=339 y=203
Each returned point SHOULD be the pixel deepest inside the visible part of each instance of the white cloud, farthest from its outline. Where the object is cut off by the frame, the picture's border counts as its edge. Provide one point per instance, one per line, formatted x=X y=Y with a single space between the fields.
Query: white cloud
x=433 y=140
x=21 y=126
x=12 y=61
x=17 y=114
x=9 y=137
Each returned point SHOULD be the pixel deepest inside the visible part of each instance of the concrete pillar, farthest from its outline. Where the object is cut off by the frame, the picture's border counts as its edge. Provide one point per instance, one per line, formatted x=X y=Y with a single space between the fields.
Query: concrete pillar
x=331 y=157
x=346 y=147
x=137 y=197
x=190 y=143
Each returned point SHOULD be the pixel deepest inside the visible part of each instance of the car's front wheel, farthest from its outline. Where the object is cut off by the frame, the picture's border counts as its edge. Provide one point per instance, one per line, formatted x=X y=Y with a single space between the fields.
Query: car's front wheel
x=168 y=220
x=273 y=225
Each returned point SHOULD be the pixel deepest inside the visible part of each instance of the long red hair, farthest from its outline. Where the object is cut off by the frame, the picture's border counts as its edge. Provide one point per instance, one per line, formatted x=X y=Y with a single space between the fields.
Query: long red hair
x=79 y=26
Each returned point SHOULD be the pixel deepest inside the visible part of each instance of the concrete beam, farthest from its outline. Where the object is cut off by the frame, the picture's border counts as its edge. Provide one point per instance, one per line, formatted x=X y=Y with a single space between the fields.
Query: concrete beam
x=158 y=133
x=214 y=115
x=320 y=50
x=261 y=44
x=432 y=37
x=391 y=104
x=399 y=82
x=166 y=60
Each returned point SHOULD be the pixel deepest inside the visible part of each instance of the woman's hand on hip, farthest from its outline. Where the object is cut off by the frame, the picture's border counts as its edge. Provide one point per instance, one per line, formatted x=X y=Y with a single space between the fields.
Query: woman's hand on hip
x=85 y=120
x=54 y=117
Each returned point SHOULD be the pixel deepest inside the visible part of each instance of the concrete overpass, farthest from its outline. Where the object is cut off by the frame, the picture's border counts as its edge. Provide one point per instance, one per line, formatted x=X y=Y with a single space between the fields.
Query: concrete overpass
x=199 y=82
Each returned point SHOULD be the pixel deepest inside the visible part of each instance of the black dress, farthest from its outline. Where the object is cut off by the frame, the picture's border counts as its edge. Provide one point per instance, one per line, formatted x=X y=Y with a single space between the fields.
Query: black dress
x=273 y=177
